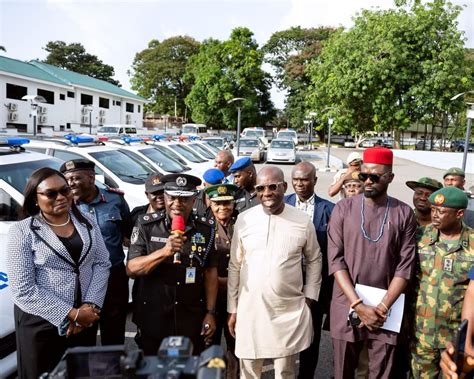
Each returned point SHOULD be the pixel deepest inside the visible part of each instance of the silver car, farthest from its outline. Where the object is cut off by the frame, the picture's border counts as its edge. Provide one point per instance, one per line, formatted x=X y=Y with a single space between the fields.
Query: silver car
x=251 y=147
x=281 y=150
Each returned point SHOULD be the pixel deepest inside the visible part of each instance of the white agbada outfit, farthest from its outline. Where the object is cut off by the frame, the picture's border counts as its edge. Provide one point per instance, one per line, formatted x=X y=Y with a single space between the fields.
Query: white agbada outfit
x=265 y=283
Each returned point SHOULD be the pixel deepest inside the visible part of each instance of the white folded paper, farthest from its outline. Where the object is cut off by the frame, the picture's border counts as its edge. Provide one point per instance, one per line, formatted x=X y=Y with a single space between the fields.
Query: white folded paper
x=373 y=296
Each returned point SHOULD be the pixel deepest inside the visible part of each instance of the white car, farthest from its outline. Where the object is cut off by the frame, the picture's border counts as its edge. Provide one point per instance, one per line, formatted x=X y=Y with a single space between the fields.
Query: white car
x=16 y=166
x=281 y=150
x=116 y=130
x=113 y=167
x=135 y=148
x=288 y=134
x=192 y=159
x=255 y=133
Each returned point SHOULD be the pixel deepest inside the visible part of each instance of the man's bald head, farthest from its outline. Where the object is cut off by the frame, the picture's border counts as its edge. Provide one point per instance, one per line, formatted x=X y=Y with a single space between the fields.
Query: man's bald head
x=305 y=167
x=224 y=159
x=273 y=172
x=303 y=179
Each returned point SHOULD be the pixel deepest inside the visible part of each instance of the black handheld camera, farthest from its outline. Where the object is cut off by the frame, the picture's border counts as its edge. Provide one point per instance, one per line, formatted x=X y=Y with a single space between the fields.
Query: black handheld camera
x=174 y=360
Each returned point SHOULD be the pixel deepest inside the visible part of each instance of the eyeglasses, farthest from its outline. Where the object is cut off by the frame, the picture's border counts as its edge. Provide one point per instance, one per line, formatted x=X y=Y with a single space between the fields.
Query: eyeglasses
x=271 y=187
x=53 y=194
x=374 y=178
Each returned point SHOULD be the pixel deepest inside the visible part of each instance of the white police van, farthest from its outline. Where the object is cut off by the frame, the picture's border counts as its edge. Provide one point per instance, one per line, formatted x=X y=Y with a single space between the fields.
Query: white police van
x=16 y=166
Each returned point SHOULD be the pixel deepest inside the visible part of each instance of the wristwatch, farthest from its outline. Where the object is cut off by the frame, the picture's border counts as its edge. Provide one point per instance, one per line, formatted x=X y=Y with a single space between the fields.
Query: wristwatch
x=212 y=311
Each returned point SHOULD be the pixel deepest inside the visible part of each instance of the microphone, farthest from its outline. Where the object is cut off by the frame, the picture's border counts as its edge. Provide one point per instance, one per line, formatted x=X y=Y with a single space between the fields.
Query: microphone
x=177 y=228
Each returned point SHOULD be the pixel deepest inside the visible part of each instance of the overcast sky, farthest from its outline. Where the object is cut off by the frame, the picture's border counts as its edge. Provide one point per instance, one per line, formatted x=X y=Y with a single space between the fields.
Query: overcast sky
x=116 y=30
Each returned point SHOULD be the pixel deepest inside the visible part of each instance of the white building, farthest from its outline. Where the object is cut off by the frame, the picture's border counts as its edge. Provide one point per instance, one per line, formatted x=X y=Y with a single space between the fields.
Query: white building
x=74 y=102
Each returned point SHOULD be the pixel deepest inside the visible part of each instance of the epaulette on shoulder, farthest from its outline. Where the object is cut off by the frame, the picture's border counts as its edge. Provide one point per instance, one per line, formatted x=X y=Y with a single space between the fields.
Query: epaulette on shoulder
x=204 y=220
x=115 y=190
x=148 y=218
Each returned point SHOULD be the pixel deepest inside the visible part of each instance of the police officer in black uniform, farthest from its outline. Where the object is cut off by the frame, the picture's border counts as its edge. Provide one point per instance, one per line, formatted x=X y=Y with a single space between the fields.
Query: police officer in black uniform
x=174 y=299
x=245 y=177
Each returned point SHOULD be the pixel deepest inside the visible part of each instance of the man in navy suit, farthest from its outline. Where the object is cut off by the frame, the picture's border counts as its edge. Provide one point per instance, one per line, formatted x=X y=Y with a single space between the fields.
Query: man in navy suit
x=303 y=179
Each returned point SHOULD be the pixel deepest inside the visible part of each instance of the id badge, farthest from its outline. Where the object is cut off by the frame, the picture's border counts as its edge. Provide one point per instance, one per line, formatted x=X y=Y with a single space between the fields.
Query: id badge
x=190 y=275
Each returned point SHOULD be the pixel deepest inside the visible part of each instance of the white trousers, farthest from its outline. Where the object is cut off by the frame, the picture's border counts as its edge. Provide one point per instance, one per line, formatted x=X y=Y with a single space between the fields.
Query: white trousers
x=285 y=367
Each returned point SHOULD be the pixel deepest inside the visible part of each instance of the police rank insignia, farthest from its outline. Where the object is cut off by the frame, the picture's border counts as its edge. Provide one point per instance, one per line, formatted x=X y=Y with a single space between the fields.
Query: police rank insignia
x=221 y=190
x=448 y=265
x=134 y=236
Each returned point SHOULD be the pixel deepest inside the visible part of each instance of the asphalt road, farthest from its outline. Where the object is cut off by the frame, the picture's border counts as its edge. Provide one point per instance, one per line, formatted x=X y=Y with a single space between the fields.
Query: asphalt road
x=404 y=170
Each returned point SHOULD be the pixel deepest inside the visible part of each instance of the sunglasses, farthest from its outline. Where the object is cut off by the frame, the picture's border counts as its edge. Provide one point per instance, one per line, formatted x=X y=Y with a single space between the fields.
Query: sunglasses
x=374 y=178
x=53 y=194
x=271 y=187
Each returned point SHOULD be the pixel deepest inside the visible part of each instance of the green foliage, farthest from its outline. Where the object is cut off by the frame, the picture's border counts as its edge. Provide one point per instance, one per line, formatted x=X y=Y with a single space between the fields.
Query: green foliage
x=289 y=52
x=225 y=70
x=392 y=69
x=158 y=73
x=74 y=57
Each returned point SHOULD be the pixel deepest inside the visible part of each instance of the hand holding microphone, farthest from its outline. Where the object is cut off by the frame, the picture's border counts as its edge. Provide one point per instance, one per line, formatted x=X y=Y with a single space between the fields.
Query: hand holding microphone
x=177 y=229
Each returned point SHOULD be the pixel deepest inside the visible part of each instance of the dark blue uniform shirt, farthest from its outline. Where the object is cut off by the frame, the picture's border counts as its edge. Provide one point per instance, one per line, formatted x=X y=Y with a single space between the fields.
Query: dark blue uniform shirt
x=113 y=216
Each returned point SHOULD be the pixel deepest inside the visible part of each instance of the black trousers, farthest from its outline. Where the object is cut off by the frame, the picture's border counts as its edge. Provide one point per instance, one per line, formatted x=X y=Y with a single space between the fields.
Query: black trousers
x=113 y=315
x=309 y=357
x=40 y=347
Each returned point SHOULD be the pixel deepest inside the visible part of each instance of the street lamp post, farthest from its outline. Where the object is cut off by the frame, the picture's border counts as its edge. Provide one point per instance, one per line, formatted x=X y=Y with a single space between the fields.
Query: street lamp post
x=330 y=121
x=34 y=100
x=236 y=99
x=469 y=116
x=312 y=115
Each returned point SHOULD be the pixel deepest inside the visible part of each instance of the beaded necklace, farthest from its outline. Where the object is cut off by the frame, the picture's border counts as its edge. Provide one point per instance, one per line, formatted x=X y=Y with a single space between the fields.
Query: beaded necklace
x=364 y=233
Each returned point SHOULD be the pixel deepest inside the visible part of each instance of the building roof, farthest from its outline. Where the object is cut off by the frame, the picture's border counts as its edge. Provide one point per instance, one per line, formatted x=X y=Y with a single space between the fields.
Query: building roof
x=46 y=72
x=14 y=66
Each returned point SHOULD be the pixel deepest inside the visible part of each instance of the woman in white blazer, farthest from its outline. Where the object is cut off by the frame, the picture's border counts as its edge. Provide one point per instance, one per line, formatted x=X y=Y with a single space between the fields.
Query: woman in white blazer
x=58 y=268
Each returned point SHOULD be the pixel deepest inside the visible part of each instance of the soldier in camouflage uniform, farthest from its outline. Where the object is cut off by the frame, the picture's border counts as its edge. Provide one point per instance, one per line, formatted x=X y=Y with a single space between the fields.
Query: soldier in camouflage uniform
x=446 y=254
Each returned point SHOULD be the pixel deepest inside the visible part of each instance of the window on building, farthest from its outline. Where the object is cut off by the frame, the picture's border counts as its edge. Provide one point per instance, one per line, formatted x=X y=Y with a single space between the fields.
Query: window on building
x=48 y=95
x=70 y=94
x=129 y=107
x=16 y=92
x=20 y=128
x=139 y=108
x=62 y=96
x=113 y=102
x=103 y=102
x=118 y=103
x=86 y=99
x=61 y=128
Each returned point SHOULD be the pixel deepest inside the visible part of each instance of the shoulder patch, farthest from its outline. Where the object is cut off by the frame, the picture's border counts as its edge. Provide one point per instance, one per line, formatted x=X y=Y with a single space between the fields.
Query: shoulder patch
x=114 y=190
x=148 y=218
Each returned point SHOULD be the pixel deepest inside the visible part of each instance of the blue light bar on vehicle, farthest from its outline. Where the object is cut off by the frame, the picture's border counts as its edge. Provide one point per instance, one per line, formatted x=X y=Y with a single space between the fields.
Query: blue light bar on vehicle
x=159 y=137
x=129 y=140
x=194 y=138
x=13 y=141
x=79 y=139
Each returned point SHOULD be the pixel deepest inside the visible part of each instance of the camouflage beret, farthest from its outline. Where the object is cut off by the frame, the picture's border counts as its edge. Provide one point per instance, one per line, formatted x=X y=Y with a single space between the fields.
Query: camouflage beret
x=449 y=197
x=456 y=171
x=425 y=182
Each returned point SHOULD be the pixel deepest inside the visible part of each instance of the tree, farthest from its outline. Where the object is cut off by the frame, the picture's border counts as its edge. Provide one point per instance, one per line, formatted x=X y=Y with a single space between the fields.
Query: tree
x=74 y=57
x=158 y=73
x=392 y=69
x=289 y=52
x=225 y=70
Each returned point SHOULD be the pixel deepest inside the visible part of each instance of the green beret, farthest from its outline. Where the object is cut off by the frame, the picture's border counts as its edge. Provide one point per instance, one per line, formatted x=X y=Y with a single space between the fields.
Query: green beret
x=221 y=192
x=449 y=197
x=456 y=171
x=425 y=182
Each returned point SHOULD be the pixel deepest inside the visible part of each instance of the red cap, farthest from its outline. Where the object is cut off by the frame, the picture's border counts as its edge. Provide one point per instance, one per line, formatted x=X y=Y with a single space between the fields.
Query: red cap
x=177 y=223
x=378 y=155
